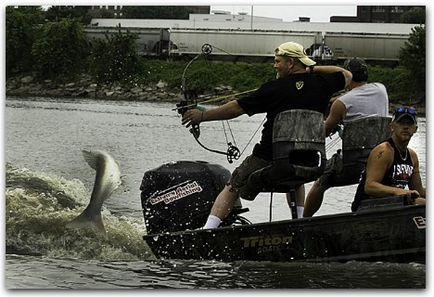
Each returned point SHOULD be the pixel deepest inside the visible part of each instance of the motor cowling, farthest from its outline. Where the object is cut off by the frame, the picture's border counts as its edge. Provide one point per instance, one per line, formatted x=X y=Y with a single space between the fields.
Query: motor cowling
x=179 y=195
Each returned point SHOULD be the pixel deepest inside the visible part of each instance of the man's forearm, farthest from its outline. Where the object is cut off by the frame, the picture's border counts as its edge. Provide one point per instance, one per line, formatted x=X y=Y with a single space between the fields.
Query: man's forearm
x=331 y=69
x=227 y=111
x=327 y=69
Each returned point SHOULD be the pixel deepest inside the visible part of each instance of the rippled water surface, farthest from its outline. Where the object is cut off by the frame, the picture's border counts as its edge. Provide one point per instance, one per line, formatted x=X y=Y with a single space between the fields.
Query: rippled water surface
x=49 y=183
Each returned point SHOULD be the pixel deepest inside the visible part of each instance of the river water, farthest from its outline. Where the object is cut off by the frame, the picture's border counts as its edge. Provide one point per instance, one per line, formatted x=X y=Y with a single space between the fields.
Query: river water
x=49 y=183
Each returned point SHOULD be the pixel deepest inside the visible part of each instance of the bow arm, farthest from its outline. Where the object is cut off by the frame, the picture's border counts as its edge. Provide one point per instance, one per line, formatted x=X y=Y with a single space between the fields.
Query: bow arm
x=226 y=111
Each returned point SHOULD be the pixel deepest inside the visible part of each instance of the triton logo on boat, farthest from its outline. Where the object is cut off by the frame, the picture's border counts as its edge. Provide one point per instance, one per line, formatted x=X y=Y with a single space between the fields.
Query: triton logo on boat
x=177 y=192
x=267 y=240
x=420 y=222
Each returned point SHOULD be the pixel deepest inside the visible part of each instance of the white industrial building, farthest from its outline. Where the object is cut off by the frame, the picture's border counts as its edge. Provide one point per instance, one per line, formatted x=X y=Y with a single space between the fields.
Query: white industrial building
x=223 y=20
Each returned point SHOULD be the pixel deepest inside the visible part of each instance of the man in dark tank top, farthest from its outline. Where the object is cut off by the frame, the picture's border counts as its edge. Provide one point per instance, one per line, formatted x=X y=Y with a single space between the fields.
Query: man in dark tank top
x=393 y=168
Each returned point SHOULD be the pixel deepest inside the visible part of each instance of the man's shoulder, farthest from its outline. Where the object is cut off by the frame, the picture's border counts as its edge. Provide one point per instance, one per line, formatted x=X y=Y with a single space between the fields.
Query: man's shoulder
x=376 y=85
x=383 y=149
x=412 y=152
x=385 y=145
x=369 y=88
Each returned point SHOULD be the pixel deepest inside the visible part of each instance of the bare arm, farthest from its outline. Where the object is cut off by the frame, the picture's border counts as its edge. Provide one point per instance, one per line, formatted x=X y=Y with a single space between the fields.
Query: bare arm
x=227 y=111
x=331 y=69
x=416 y=181
x=337 y=113
x=379 y=161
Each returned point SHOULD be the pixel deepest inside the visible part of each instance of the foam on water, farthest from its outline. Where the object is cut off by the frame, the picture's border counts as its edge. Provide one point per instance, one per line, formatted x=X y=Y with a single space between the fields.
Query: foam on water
x=38 y=205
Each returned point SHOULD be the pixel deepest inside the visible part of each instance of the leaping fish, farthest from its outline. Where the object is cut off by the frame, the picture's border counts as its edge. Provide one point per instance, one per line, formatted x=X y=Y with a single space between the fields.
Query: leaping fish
x=107 y=180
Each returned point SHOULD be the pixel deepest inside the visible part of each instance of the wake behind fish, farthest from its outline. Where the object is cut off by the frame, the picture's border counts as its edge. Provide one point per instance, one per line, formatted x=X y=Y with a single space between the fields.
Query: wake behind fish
x=38 y=207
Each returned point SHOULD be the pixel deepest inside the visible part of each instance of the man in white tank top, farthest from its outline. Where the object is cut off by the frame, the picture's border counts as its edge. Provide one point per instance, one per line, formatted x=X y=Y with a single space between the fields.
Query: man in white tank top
x=363 y=100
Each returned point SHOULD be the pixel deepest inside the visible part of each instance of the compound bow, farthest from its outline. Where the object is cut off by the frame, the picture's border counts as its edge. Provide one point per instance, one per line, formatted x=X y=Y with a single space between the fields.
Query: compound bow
x=190 y=101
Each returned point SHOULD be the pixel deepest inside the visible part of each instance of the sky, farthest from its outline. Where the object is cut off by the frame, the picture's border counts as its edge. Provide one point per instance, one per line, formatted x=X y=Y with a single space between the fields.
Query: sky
x=318 y=11
x=290 y=10
x=289 y=13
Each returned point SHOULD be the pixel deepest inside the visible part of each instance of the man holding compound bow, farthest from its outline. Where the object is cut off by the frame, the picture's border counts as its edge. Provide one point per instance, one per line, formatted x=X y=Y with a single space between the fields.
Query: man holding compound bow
x=298 y=85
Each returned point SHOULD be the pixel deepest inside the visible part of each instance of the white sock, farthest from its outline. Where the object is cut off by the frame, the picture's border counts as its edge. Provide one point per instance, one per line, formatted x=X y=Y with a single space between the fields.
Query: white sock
x=212 y=222
x=300 y=210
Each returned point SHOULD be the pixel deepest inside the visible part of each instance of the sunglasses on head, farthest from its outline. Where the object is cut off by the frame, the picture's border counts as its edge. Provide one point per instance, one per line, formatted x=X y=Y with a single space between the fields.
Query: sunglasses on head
x=409 y=110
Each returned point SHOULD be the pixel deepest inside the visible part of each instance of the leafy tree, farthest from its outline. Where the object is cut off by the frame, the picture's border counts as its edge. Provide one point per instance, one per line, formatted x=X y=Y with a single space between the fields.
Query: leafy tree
x=413 y=57
x=21 y=28
x=99 y=13
x=415 y=15
x=115 y=58
x=61 y=49
x=82 y=13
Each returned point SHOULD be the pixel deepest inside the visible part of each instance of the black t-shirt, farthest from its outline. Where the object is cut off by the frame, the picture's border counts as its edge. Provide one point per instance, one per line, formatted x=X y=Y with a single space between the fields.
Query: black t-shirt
x=298 y=91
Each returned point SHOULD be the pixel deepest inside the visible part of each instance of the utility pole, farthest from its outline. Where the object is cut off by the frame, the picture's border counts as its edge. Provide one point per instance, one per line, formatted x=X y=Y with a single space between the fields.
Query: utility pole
x=251 y=18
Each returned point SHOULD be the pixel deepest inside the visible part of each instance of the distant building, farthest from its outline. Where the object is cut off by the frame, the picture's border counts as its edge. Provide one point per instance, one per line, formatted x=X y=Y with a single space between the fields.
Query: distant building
x=344 y=19
x=382 y=14
x=198 y=9
x=304 y=19
x=117 y=10
x=376 y=14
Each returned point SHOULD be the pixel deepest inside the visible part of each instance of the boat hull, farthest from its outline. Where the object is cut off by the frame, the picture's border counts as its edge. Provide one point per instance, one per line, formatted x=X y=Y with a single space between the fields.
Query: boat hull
x=396 y=234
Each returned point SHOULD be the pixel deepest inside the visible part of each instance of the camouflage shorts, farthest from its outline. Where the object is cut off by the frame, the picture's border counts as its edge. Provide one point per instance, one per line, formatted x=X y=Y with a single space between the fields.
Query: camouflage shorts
x=241 y=174
x=337 y=174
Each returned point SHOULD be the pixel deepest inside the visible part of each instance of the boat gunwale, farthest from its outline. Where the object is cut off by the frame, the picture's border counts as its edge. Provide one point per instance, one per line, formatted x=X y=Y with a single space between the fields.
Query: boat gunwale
x=323 y=219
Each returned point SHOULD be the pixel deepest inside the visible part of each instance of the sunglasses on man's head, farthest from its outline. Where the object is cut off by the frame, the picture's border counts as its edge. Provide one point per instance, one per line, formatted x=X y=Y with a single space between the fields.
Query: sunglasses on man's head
x=409 y=110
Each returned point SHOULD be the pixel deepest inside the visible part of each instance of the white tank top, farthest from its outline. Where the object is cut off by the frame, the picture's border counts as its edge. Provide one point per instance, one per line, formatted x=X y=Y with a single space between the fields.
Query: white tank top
x=365 y=101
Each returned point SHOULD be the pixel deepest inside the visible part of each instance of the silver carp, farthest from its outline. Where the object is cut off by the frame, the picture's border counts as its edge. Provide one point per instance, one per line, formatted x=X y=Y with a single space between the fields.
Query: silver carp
x=107 y=180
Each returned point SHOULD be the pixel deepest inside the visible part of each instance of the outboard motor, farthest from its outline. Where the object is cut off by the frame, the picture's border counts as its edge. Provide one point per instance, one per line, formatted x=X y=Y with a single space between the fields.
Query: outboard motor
x=179 y=195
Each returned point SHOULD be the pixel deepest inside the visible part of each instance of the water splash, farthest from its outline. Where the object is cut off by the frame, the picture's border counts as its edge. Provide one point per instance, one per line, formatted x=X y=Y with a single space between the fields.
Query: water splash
x=38 y=205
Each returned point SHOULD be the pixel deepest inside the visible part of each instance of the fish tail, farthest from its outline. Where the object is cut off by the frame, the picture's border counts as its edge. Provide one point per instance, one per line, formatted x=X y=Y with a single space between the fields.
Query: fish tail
x=91 y=158
x=86 y=221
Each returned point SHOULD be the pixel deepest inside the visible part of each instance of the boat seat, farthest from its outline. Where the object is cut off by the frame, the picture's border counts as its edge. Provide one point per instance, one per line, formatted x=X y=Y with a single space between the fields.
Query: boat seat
x=359 y=137
x=298 y=156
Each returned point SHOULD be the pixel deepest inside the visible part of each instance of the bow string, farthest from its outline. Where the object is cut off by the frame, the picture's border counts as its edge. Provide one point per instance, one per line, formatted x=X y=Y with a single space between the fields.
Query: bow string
x=190 y=101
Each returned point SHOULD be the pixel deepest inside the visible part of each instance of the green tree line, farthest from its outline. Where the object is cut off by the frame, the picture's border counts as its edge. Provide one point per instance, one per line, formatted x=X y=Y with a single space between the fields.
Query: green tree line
x=57 y=48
